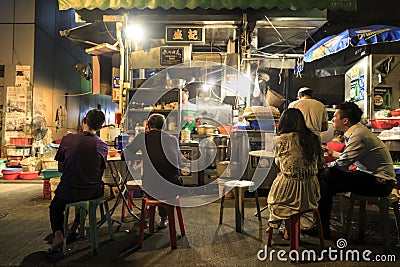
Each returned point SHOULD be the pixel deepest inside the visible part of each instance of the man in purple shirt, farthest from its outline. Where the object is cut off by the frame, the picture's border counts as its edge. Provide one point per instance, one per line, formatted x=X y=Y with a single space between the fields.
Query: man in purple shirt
x=82 y=159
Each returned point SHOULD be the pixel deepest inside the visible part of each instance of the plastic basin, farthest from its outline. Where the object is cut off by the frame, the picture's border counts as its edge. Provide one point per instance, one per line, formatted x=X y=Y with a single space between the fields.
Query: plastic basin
x=11 y=173
x=51 y=173
x=29 y=175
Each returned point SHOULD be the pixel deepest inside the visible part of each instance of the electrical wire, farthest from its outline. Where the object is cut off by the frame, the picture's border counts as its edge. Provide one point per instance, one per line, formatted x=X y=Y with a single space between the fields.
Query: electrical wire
x=88 y=93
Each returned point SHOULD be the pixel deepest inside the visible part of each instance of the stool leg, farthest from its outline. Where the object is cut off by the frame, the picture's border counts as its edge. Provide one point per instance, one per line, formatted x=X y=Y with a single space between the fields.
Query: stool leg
x=93 y=228
x=152 y=212
x=66 y=214
x=269 y=236
x=257 y=205
x=180 y=220
x=130 y=192
x=361 y=224
x=142 y=222
x=341 y=205
x=349 y=218
x=320 y=231
x=82 y=218
x=221 y=209
x=294 y=232
x=171 y=223
x=384 y=211
x=395 y=206
x=108 y=217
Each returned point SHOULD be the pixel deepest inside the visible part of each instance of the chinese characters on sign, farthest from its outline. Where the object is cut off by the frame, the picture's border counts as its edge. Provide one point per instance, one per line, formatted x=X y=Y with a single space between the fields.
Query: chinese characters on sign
x=186 y=34
x=171 y=55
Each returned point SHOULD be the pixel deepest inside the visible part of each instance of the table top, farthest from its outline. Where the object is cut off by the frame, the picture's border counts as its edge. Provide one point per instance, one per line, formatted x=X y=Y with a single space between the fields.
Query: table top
x=238 y=183
x=115 y=158
x=261 y=153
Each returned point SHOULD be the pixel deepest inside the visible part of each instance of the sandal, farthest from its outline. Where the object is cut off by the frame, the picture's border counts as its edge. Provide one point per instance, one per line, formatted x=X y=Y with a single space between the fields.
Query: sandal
x=55 y=254
x=72 y=237
x=284 y=234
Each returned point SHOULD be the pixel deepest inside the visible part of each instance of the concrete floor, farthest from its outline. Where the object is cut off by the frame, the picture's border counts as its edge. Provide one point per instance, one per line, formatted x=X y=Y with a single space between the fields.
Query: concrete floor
x=25 y=235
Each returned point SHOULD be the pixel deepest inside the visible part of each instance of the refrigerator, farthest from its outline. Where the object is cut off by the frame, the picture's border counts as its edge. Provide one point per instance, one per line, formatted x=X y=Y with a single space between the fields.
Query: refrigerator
x=373 y=84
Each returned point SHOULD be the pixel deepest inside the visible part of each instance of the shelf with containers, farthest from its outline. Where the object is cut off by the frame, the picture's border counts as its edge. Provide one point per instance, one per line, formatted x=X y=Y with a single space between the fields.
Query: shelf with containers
x=15 y=153
x=142 y=102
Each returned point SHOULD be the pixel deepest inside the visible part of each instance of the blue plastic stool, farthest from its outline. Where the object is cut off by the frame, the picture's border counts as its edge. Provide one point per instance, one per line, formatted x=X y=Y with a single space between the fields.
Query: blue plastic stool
x=89 y=207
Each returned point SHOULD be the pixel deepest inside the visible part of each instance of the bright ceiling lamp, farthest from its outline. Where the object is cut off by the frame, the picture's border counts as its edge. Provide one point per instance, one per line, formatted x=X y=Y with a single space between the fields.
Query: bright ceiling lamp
x=134 y=32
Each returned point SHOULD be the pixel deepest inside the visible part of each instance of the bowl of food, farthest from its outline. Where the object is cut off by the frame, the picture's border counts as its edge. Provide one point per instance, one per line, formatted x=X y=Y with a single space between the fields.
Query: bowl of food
x=395 y=113
x=112 y=153
x=385 y=124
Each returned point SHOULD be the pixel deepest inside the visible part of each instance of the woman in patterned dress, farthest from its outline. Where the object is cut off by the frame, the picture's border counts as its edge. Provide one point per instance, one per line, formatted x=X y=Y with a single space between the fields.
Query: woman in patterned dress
x=297 y=155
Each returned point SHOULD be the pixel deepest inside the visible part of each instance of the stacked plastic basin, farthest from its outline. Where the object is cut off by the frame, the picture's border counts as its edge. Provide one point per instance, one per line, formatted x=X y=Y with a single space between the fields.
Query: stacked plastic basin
x=11 y=173
x=51 y=178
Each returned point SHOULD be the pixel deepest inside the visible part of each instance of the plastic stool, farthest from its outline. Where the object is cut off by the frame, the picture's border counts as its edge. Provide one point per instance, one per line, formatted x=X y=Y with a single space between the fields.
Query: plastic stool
x=46 y=194
x=151 y=204
x=131 y=186
x=90 y=207
x=294 y=230
x=383 y=203
x=238 y=186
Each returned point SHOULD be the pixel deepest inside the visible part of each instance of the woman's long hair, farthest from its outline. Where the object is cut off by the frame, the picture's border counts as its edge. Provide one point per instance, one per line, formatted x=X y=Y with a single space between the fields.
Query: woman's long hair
x=292 y=120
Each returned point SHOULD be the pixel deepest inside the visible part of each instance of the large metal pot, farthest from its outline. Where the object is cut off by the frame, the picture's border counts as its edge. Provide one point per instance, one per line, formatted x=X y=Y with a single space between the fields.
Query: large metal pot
x=175 y=83
x=205 y=129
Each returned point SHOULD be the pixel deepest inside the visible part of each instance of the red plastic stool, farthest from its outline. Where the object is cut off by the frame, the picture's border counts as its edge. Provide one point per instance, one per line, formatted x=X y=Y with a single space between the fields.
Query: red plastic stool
x=131 y=186
x=46 y=194
x=294 y=230
x=151 y=204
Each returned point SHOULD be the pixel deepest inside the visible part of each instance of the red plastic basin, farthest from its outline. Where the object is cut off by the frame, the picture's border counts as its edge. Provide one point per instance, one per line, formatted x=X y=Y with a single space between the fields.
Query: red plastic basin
x=11 y=174
x=29 y=175
x=385 y=123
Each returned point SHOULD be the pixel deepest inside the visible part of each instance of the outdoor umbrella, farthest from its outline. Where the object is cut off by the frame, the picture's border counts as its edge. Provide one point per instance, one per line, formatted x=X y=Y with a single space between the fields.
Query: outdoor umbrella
x=355 y=37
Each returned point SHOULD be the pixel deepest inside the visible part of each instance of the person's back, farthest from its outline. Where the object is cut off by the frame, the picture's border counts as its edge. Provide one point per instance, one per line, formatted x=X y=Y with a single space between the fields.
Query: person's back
x=161 y=157
x=84 y=158
x=314 y=111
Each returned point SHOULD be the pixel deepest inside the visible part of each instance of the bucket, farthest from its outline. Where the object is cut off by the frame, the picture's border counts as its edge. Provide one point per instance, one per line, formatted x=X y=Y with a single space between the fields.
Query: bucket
x=274 y=99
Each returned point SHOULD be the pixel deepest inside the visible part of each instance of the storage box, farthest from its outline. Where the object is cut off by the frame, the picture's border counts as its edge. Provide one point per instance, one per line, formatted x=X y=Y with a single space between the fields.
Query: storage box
x=50 y=173
x=49 y=164
x=20 y=141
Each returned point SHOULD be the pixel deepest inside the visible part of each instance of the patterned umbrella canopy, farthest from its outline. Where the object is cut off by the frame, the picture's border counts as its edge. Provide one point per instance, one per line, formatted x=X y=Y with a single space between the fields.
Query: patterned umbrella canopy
x=355 y=37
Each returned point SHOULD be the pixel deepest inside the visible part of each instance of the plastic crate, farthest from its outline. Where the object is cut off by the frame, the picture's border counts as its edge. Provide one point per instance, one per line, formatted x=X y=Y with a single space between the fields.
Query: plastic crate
x=46 y=194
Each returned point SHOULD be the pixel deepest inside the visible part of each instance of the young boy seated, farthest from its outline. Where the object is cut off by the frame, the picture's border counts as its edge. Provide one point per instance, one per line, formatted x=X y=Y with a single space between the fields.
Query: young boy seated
x=335 y=145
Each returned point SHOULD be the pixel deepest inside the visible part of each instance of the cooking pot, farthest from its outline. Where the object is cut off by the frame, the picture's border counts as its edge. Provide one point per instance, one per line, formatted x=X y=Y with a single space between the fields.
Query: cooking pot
x=108 y=133
x=205 y=129
x=175 y=83
x=221 y=167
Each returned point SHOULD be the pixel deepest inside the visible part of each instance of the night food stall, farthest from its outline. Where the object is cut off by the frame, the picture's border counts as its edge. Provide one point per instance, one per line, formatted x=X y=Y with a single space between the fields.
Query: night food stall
x=199 y=48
